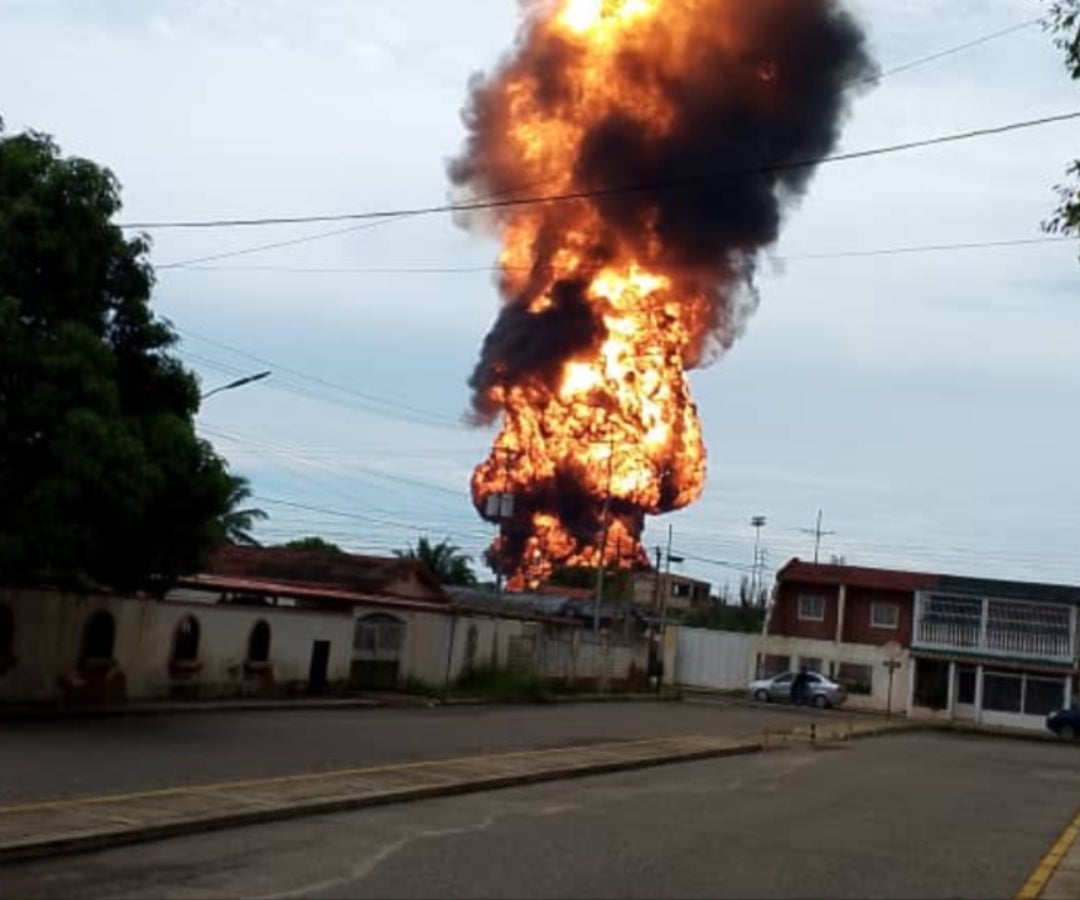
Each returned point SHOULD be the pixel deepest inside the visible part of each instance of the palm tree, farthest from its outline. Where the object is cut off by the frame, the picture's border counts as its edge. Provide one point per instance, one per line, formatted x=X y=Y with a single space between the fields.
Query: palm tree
x=238 y=521
x=444 y=559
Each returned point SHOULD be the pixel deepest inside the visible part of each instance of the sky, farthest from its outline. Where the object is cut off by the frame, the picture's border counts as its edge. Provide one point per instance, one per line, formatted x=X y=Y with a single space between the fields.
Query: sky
x=925 y=402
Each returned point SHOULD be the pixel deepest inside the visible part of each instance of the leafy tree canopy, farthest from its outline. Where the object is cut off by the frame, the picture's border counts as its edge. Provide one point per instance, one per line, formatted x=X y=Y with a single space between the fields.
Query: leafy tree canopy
x=1064 y=22
x=103 y=482
x=313 y=543
x=445 y=560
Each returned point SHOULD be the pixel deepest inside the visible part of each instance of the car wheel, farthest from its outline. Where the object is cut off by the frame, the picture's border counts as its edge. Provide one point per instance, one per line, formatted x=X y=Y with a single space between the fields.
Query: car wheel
x=1068 y=733
x=762 y=696
x=821 y=701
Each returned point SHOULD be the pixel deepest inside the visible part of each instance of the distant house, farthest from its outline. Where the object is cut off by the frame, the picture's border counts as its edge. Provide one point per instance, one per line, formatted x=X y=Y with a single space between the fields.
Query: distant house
x=269 y=621
x=678 y=593
x=983 y=650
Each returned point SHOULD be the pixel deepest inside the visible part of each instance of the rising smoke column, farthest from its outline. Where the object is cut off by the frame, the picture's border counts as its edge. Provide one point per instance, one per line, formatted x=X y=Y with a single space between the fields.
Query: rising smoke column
x=677 y=128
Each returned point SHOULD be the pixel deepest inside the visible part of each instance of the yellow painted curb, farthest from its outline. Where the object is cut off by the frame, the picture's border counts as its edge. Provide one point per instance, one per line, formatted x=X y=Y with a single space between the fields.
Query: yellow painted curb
x=1044 y=871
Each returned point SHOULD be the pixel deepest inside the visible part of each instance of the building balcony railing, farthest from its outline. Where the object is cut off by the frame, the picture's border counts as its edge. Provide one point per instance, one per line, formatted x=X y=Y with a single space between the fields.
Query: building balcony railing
x=1005 y=628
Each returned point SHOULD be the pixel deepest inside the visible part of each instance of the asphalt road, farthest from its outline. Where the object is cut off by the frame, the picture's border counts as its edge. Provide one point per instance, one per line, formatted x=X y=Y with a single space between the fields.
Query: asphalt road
x=43 y=759
x=916 y=815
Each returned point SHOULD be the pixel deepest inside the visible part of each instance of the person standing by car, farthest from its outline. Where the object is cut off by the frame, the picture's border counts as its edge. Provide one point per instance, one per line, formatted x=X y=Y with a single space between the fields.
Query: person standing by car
x=799 y=686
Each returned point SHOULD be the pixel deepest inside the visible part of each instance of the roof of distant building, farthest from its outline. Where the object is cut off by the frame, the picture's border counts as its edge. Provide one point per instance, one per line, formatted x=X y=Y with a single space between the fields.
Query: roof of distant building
x=389 y=576
x=900 y=580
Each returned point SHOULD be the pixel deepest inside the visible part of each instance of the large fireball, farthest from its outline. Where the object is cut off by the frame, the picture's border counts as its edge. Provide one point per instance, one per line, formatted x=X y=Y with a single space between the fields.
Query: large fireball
x=669 y=136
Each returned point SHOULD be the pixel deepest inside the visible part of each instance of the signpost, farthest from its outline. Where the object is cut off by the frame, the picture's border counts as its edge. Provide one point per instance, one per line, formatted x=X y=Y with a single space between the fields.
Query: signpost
x=893 y=650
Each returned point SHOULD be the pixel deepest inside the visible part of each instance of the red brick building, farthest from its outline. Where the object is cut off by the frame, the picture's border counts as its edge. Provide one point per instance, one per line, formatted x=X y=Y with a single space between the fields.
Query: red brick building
x=995 y=651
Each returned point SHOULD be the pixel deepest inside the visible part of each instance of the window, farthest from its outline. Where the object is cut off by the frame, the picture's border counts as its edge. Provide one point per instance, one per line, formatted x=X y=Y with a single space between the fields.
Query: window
x=259 y=643
x=811 y=662
x=99 y=636
x=1028 y=628
x=771 y=665
x=858 y=679
x=186 y=640
x=884 y=615
x=955 y=621
x=1043 y=695
x=379 y=636
x=965 y=685
x=783 y=679
x=931 y=683
x=680 y=589
x=1003 y=692
x=7 y=631
x=811 y=608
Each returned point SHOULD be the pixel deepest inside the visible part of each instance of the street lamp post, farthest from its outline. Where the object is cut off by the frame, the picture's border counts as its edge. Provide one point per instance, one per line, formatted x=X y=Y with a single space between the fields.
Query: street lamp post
x=757 y=522
x=232 y=385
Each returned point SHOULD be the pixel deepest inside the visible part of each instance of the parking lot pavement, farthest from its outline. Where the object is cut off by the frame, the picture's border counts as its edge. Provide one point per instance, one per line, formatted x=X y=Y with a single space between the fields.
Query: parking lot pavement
x=908 y=815
x=69 y=757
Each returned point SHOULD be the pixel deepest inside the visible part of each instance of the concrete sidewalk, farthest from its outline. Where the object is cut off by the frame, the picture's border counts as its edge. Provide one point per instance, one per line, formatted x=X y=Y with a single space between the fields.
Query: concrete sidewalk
x=1058 y=875
x=366 y=700
x=88 y=823
x=171 y=707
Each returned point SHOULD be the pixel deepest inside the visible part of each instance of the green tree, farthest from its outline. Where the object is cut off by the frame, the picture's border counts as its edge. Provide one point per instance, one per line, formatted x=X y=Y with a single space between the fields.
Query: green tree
x=103 y=481
x=445 y=560
x=618 y=583
x=314 y=544
x=239 y=519
x=1064 y=22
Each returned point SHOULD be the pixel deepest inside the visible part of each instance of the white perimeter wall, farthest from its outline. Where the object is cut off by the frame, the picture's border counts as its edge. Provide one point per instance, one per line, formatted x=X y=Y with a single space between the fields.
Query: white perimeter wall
x=858 y=654
x=720 y=660
x=49 y=627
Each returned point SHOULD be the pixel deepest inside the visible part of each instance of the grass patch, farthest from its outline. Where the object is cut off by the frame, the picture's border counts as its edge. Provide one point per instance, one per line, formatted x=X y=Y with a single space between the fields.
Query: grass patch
x=502 y=685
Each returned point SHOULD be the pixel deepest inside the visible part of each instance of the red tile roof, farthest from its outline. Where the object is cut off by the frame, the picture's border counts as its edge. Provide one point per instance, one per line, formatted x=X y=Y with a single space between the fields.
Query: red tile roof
x=856 y=576
x=349 y=572
x=300 y=591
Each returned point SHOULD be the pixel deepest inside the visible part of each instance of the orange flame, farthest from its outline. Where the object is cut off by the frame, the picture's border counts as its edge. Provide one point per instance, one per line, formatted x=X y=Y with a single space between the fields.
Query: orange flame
x=616 y=297
x=619 y=424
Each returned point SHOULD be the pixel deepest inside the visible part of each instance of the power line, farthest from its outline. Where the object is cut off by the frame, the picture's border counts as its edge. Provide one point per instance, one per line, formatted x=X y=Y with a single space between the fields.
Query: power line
x=494 y=269
x=616 y=190
x=276 y=501
x=411 y=482
x=870 y=79
x=440 y=419
x=950 y=51
x=322 y=235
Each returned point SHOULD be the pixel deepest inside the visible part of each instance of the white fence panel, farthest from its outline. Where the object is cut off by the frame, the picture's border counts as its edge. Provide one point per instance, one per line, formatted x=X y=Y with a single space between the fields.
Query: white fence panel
x=720 y=660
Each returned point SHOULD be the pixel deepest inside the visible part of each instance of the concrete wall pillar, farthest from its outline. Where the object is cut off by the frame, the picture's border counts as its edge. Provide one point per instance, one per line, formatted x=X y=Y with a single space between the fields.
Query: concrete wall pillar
x=978 y=694
x=841 y=607
x=951 y=703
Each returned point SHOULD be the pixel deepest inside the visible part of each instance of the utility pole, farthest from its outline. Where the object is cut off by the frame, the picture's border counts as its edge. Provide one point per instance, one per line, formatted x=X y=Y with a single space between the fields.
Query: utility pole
x=669 y=559
x=757 y=522
x=818 y=535
x=502 y=508
x=604 y=538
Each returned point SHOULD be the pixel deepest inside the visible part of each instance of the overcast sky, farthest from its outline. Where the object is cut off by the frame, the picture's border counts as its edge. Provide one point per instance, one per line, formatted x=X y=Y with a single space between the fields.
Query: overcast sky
x=927 y=402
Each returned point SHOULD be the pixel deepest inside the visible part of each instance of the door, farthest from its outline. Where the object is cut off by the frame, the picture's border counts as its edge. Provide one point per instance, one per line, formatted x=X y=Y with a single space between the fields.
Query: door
x=320 y=661
x=780 y=689
x=965 y=693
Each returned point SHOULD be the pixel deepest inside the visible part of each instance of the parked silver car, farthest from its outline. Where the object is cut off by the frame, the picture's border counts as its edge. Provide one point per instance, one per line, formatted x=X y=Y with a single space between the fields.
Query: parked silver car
x=820 y=691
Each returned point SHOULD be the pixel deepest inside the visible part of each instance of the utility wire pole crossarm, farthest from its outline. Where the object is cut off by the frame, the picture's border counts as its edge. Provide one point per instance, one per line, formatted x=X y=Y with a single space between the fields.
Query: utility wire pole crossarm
x=818 y=534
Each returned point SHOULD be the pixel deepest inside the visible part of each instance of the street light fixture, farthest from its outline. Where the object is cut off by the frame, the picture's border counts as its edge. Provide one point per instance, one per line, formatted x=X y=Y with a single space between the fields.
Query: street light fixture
x=232 y=385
